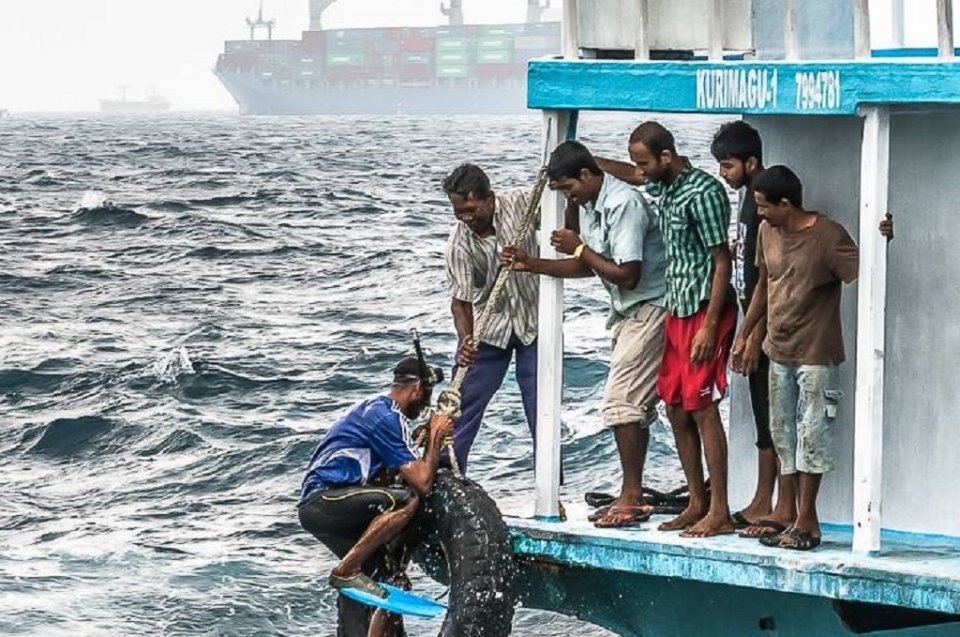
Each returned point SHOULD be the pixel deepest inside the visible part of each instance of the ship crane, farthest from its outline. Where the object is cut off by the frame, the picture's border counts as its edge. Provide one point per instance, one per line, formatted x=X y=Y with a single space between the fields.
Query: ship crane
x=453 y=11
x=535 y=10
x=260 y=23
x=317 y=7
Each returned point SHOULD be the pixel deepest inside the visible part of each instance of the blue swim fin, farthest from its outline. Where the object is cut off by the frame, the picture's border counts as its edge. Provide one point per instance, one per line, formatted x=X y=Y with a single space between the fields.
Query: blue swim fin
x=398 y=601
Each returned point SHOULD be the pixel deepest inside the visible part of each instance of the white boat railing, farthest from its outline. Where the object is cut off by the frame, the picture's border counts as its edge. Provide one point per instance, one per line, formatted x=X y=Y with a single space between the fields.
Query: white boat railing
x=945 y=29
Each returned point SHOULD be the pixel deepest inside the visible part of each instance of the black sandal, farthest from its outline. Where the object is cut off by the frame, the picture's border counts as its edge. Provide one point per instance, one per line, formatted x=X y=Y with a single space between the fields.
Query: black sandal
x=800 y=541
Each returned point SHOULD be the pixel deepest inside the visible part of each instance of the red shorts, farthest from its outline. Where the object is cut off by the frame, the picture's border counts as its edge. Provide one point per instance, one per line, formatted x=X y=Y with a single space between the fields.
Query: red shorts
x=680 y=382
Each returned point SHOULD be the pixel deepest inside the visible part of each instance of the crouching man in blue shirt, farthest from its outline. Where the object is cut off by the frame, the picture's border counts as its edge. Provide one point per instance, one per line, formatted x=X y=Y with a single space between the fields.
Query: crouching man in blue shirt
x=361 y=488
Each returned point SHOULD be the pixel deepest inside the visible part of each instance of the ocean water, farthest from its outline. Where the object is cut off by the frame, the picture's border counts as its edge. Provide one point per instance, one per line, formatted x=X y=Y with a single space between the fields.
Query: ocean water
x=166 y=370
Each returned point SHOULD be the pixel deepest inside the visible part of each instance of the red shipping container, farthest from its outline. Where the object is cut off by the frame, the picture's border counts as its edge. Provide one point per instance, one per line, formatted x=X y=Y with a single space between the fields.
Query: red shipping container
x=496 y=71
x=417 y=44
x=414 y=72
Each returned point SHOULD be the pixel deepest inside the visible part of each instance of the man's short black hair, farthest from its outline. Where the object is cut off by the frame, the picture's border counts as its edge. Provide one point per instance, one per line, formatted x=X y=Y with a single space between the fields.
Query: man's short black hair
x=408 y=371
x=737 y=140
x=655 y=137
x=778 y=183
x=568 y=159
x=467 y=180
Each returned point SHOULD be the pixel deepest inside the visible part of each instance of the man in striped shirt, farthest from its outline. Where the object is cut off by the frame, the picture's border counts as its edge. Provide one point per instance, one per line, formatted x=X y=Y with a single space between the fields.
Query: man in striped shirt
x=695 y=215
x=487 y=222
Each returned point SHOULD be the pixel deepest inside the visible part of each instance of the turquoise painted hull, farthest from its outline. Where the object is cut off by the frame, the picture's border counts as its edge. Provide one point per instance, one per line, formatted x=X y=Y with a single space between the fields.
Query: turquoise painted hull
x=637 y=605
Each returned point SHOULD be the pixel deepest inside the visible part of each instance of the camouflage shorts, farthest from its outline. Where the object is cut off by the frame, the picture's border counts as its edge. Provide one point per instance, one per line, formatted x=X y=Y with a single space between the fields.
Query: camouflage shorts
x=803 y=408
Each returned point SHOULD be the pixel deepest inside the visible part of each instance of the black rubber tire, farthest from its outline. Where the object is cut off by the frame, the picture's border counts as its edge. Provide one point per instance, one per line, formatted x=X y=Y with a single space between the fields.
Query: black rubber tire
x=460 y=539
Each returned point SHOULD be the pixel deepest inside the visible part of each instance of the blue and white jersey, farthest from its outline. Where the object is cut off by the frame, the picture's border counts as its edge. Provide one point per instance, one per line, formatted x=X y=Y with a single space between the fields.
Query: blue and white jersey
x=372 y=436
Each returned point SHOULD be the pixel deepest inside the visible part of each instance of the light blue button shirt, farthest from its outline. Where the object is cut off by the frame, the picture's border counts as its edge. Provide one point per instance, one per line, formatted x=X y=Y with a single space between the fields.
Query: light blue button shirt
x=623 y=227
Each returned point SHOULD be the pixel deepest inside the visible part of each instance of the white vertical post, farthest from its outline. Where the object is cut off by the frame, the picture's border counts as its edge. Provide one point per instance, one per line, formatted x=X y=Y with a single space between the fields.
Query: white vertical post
x=861 y=29
x=569 y=28
x=791 y=46
x=641 y=50
x=945 y=29
x=871 y=307
x=897 y=17
x=716 y=30
x=556 y=125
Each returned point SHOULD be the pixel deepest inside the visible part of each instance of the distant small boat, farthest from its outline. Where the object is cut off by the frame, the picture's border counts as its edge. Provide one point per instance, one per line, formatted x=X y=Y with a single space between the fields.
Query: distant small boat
x=4 y=112
x=153 y=103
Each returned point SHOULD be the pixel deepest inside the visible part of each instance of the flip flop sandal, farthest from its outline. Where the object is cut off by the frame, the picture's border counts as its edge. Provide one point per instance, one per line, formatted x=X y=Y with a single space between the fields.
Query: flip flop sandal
x=740 y=521
x=360 y=582
x=597 y=499
x=766 y=525
x=772 y=540
x=801 y=541
x=622 y=516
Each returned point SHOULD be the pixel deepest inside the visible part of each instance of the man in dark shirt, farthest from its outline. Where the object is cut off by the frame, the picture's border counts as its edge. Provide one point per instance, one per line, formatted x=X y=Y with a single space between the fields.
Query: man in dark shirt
x=739 y=150
x=804 y=258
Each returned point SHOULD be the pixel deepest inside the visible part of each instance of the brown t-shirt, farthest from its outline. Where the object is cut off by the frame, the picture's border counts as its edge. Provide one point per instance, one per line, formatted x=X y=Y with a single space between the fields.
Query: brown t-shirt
x=804 y=274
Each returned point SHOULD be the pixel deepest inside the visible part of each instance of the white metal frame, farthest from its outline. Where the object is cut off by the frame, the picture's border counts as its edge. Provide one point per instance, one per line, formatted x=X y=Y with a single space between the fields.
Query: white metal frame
x=871 y=326
x=945 y=29
x=791 y=46
x=641 y=49
x=557 y=126
x=568 y=29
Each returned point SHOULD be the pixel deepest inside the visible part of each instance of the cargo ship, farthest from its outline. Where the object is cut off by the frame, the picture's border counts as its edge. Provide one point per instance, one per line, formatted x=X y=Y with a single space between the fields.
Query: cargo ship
x=444 y=70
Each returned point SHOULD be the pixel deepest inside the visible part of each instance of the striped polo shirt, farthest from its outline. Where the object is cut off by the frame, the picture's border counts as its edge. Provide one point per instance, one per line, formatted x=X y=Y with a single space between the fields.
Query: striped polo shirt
x=694 y=217
x=473 y=263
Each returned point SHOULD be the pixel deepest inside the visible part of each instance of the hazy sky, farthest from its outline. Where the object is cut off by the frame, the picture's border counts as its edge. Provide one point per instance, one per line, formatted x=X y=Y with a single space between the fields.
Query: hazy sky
x=65 y=54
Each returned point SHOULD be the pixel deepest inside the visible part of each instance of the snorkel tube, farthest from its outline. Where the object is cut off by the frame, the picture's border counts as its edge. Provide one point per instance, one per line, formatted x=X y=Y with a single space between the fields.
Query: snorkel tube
x=429 y=376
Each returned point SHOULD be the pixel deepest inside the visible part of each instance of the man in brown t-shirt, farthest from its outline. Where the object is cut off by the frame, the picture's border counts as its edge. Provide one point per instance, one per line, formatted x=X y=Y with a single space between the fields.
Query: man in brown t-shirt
x=804 y=258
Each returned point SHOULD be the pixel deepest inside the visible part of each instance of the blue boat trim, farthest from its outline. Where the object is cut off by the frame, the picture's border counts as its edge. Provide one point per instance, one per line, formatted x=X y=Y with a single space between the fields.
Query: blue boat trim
x=913 y=52
x=807 y=88
x=912 y=572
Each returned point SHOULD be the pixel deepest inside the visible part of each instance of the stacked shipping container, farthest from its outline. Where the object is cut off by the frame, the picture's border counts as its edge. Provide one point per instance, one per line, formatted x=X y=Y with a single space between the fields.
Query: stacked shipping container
x=471 y=56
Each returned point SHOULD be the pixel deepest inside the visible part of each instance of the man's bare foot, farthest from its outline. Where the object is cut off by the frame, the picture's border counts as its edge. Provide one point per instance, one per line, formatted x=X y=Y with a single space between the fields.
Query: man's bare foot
x=710 y=526
x=689 y=517
x=752 y=512
x=622 y=502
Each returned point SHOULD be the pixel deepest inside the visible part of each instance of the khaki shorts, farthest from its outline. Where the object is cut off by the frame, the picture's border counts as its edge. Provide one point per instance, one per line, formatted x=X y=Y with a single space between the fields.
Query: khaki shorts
x=630 y=396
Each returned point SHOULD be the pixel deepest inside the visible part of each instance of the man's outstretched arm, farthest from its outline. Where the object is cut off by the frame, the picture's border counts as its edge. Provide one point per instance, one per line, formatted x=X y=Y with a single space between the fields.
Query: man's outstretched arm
x=622 y=170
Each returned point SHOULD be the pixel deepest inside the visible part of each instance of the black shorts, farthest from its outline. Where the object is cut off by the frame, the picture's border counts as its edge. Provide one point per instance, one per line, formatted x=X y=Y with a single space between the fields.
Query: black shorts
x=338 y=517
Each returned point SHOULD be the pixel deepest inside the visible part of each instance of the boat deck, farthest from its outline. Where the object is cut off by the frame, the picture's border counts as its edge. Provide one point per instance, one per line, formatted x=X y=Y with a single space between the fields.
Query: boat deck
x=913 y=571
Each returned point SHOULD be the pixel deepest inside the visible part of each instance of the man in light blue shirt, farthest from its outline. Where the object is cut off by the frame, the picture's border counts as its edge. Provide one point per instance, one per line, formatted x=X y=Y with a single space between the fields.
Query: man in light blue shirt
x=620 y=242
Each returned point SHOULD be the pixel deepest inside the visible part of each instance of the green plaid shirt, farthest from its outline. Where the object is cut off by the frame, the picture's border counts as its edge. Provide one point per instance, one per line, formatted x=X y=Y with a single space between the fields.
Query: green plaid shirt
x=694 y=217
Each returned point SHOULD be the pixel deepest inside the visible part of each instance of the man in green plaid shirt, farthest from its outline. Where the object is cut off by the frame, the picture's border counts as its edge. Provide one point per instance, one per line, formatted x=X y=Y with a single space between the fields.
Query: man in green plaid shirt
x=694 y=216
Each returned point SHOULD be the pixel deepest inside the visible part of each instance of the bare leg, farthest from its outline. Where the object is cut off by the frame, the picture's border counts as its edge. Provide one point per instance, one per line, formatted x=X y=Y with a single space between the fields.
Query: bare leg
x=688 y=448
x=785 y=512
x=717 y=520
x=762 y=504
x=384 y=624
x=382 y=529
x=807 y=520
x=632 y=442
